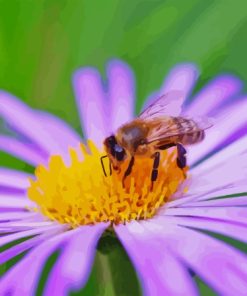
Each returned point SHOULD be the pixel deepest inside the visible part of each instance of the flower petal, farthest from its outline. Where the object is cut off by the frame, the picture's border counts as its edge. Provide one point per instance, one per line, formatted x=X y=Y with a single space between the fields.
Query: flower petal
x=11 y=216
x=234 y=150
x=234 y=214
x=229 y=229
x=26 y=233
x=157 y=268
x=217 y=92
x=64 y=135
x=220 y=265
x=24 y=151
x=33 y=263
x=90 y=98
x=227 y=123
x=220 y=202
x=72 y=269
x=29 y=243
x=220 y=192
x=121 y=92
x=15 y=202
x=181 y=78
x=23 y=119
x=13 y=178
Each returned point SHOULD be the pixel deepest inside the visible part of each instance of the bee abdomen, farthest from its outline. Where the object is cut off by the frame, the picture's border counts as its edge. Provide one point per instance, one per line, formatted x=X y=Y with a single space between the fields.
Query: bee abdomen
x=193 y=134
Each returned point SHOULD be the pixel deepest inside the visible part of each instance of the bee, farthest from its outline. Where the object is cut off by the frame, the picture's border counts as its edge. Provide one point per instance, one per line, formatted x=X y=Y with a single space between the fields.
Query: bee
x=157 y=128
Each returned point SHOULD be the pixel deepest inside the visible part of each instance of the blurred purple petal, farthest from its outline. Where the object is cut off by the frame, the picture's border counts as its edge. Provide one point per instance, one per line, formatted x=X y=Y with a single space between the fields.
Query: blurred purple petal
x=24 y=120
x=72 y=269
x=32 y=264
x=22 y=278
x=234 y=214
x=11 y=216
x=227 y=123
x=61 y=132
x=25 y=225
x=223 y=267
x=181 y=78
x=121 y=92
x=92 y=105
x=15 y=202
x=156 y=265
x=29 y=243
x=214 y=95
x=24 y=151
x=13 y=178
x=22 y=234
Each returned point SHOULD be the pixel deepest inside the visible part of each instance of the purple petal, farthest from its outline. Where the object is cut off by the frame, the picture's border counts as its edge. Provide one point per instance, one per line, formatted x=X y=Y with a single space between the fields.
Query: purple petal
x=230 y=229
x=221 y=202
x=187 y=199
x=11 y=216
x=227 y=123
x=22 y=278
x=237 y=214
x=224 y=170
x=33 y=264
x=181 y=78
x=234 y=150
x=22 y=150
x=15 y=236
x=21 y=247
x=13 y=178
x=72 y=269
x=157 y=268
x=23 y=119
x=90 y=98
x=22 y=225
x=121 y=92
x=214 y=95
x=15 y=202
x=221 y=266
x=61 y=132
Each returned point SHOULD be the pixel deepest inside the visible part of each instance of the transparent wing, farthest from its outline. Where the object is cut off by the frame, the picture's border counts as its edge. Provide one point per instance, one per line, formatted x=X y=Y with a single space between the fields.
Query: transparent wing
x=169 y=104
x=164 y=129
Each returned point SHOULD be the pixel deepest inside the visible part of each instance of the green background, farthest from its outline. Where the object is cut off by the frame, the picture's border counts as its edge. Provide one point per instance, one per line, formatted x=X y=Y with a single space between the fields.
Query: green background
x=43 y=42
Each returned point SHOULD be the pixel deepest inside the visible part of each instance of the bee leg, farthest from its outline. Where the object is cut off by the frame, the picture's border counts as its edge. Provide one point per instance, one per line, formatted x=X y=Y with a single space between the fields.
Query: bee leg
x=129 y=169
x=181 y=159
x=110 y=168
x=102 y=164
x=156 y=162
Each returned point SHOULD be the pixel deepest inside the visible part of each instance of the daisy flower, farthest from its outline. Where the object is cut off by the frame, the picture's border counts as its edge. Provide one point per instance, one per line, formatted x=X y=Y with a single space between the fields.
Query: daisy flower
x=68 y=204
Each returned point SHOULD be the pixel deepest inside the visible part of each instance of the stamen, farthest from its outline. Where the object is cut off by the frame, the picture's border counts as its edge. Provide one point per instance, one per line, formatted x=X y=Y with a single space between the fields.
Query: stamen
x=81 y=194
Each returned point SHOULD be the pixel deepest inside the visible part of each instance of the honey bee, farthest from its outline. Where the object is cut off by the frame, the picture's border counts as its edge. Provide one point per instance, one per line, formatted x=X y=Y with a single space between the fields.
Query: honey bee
x=157 y=128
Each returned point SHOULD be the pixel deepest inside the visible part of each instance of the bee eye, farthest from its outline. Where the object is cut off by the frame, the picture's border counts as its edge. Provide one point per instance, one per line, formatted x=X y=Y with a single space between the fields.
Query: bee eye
x=119 y=152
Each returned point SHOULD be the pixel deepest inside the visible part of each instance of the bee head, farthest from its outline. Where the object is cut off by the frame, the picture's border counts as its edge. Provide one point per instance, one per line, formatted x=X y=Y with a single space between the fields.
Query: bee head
x=114 y=148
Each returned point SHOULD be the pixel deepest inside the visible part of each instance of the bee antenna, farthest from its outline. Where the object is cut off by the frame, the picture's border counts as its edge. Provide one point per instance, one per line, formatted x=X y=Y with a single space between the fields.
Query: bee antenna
x=102 y=164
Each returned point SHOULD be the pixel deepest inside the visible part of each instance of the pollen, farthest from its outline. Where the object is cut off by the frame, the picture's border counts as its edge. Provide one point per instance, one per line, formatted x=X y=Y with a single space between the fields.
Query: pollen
x=80 y=193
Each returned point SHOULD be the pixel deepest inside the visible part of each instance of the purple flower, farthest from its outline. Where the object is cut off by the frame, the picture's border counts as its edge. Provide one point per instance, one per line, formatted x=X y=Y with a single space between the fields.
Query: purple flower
x=163 y=248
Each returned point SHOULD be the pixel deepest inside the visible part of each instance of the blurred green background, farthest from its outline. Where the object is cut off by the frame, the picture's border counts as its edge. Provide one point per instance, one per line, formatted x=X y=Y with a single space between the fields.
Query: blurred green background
x=43 y=42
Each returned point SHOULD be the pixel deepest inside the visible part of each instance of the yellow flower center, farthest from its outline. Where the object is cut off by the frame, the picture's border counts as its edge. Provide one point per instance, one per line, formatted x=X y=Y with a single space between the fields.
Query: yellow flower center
x=81 y=194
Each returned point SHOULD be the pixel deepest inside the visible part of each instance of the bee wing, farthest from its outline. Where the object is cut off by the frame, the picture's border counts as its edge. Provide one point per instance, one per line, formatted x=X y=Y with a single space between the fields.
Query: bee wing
x=169 y=104
x=165 y=128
